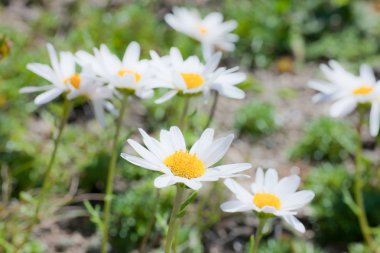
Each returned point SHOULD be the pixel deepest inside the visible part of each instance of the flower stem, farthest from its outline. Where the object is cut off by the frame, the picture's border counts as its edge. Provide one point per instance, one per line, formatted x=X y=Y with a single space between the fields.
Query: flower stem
x=213 y=109
x=358 y=189
x=173 y=217
x=47 y=179
x=258 y=235
x=183 y=117
x=111 y=175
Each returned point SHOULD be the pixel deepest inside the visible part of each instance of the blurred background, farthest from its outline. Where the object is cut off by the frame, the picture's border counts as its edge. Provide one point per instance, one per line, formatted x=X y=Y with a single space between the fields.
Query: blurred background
x=281 y=44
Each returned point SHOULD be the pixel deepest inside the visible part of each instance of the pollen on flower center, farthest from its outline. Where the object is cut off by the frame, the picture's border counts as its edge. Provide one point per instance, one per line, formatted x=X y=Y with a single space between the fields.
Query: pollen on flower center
x=203 y=30
x=192 y=80
x=363 y=90
x=123 y=72
x=266 y=199
x=74 y=80
x=183 y=164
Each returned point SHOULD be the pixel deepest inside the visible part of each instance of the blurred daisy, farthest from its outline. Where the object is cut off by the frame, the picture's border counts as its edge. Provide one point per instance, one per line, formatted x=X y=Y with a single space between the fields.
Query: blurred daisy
x=349 y=91
x=170 y=156
x=61 y=74
x=270 y=196
x=211 y=31
x=130 y=73
x=66 y=80
x=191 y=76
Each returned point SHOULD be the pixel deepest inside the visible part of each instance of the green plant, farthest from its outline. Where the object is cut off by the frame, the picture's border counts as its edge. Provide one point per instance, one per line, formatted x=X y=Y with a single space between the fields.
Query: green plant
x=325 y=139
x=332 y=216
x=256 y=119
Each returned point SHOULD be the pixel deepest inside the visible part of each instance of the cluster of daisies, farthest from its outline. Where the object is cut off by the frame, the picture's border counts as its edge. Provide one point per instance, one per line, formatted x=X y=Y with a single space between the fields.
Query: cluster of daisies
x=103 y=77
x=190 y=167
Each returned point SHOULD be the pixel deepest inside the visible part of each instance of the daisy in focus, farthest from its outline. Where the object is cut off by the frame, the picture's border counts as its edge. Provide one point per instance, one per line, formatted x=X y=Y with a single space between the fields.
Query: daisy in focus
x=211 y=31
x=66 y=80
x=190 y=76
x=270 y=196
x=129 y=74
x=170 y=156
x=348 y=91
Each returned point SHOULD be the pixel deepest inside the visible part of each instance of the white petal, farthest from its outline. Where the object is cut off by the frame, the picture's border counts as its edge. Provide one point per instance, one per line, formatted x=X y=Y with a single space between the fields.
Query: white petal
x=240 y=193
x=166 y=97
x=295 y=223
x=217 y=150
x=132 y=53
x=204 y=142
x=229 y=169
x=235 y=206
x=258 y=186
x=99 y=111
x=297 y=200
x=32 y=89
x=195 y=185
x=47 y=96
x=287 y=185
x=144 y=153
x=177 y=139
x=343 y=107
x=153 y=145
x=366 y=73
x=374 y=119
x=163 y=181
x=140 y=162
x=271 y=180
x=42 y=70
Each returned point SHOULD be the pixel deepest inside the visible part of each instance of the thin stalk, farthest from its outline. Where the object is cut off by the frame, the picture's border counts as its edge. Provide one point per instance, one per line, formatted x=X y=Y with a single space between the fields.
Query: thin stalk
x=173 y=218
x=47 y=180
x=358 y=189
x=111 y=175
x=212 y=110
x=258 y=235
x=183 y=118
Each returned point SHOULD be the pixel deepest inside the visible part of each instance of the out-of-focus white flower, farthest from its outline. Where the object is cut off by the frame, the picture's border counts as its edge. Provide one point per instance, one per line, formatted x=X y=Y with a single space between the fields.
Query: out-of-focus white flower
x=270 y=196
x=66 y=80
x=191 y=76
x=170 y=156
x=211 y=31
x=348 y=90
x=130 y=73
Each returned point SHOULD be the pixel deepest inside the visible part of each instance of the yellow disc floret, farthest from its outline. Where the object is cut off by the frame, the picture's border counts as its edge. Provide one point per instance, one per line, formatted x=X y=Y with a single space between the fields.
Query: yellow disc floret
x=363 y=90
x=203 y=30
x=74 y=80
x=266 y=199
x=193 y=80
x=183 y=164
x=123 y=72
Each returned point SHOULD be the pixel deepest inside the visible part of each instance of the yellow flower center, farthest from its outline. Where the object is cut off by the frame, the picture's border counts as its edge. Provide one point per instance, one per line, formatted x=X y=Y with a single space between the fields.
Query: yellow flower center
x=123 y=72
x=363 y=90
x=74 y=80
x=192 y=80
x=183 y=164
x=203 y=30
x=266 y=199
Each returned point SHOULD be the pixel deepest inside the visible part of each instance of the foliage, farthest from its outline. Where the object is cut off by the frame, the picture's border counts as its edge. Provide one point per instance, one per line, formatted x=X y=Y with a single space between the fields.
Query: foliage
x=323 y=140
x=256 y=119
x=286 y=245
x=331 y=215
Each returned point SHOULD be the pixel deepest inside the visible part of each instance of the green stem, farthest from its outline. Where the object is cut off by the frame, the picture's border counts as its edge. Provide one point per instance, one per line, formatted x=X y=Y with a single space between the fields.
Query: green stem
x=259 y=235
x=173 y=217
x=358 y=189
x=213 y=109
x=47 y=179
x=183 y=119
x=111 y=175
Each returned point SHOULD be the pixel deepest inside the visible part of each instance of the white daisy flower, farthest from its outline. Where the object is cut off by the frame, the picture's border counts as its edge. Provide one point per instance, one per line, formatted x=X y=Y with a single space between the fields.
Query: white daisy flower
x=66 y=80
x=349 y=91
x=211 y=31
x=191 y=76
x=270 y=196
x=130 y=73
x=170 y=156
x=60 y=74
